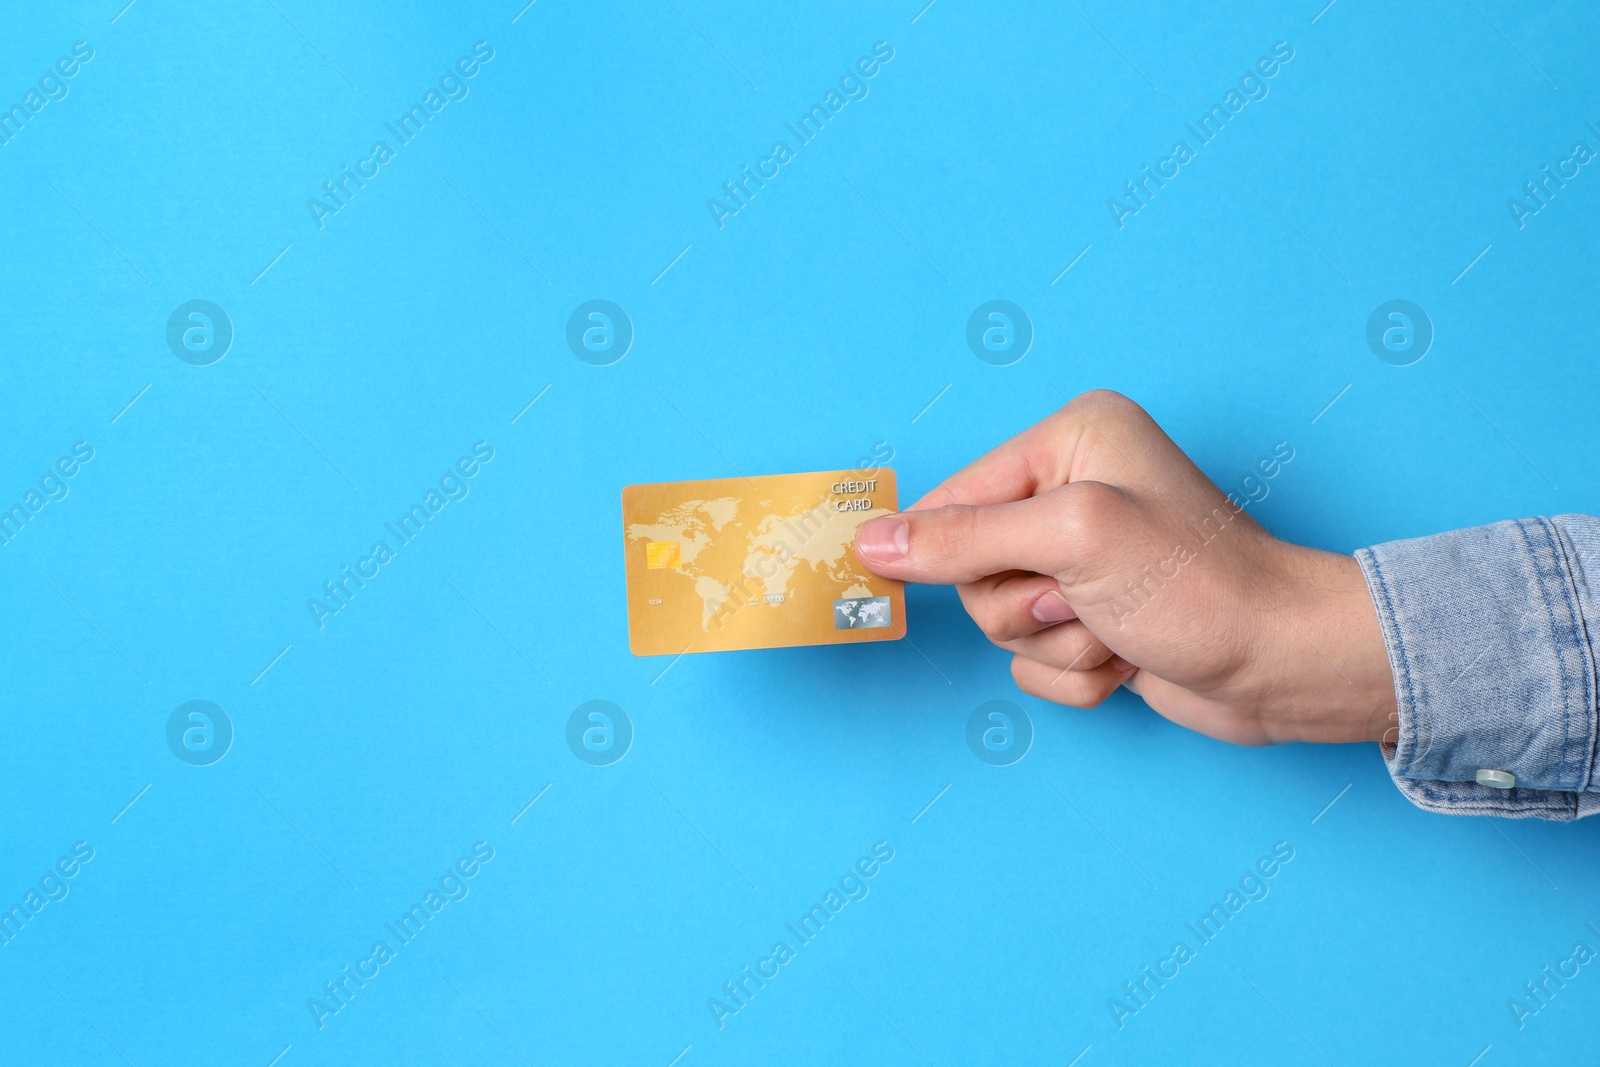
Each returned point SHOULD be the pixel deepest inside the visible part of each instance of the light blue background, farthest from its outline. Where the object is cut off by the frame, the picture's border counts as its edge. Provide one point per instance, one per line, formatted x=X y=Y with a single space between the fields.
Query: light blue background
x=822 y=319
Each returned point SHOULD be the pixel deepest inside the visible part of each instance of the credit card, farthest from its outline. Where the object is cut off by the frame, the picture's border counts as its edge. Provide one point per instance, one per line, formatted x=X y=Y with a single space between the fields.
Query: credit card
x=765 y=562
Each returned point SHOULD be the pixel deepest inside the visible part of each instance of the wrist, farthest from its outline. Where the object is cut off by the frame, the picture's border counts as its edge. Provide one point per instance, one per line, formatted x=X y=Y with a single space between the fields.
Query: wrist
x=1340 y=687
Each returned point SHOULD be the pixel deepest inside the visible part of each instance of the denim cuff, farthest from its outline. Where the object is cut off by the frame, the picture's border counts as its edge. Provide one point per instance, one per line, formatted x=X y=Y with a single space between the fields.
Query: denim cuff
x=1488 y=634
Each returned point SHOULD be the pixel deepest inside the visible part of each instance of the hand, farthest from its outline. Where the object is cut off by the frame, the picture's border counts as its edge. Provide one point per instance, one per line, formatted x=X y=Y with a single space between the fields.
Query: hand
x=1091 y=547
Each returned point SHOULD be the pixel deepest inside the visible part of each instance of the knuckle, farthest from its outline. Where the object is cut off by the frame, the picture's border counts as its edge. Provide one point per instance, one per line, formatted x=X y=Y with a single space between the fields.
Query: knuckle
x=1110 y=415
x=1010 y=625
x=1080 y=688
x=981 y=609
x=1117 y=407
x=1080 y=650
x=1063 y=644
x=989 y=620
x=1105 y=402
x=938 y=497
x=1092 y=515
x=1083 y=690
x=1022 y=675
x=1001 y=628
x=1005 y=617
x=952 y=533
x=1099 y=399
x=1046 y=683
x=1093 y=694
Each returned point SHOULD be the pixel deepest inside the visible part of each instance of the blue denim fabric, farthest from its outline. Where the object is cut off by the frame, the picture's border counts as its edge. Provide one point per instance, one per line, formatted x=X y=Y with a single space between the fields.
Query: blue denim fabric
x=1493 y=635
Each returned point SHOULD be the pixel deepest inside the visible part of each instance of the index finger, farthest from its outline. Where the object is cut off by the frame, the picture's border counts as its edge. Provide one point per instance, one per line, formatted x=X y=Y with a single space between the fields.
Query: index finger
x=1045 y=456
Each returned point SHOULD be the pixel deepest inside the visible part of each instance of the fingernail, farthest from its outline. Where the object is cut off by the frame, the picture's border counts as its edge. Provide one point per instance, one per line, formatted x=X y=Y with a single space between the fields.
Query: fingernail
x=883 y=540
x=1053 y=607
x=1126 y=669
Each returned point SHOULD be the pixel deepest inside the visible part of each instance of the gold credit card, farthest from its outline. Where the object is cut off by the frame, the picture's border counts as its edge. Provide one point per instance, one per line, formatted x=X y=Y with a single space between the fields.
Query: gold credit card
x=756 y=563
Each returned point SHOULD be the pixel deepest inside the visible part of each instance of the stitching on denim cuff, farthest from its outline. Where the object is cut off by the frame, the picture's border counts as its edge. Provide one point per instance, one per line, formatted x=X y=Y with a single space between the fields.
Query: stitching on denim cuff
x=1572 y=573
x=1547 y=559
x=1460 y=798
x=1406 y=724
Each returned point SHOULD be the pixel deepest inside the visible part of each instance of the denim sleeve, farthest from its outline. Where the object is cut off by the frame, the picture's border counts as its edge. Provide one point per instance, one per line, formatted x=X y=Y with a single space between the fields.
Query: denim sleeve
x=1492 y=635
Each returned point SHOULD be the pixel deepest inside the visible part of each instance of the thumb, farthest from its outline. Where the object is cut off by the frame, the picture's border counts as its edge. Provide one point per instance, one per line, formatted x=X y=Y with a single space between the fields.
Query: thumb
x=961 y=543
